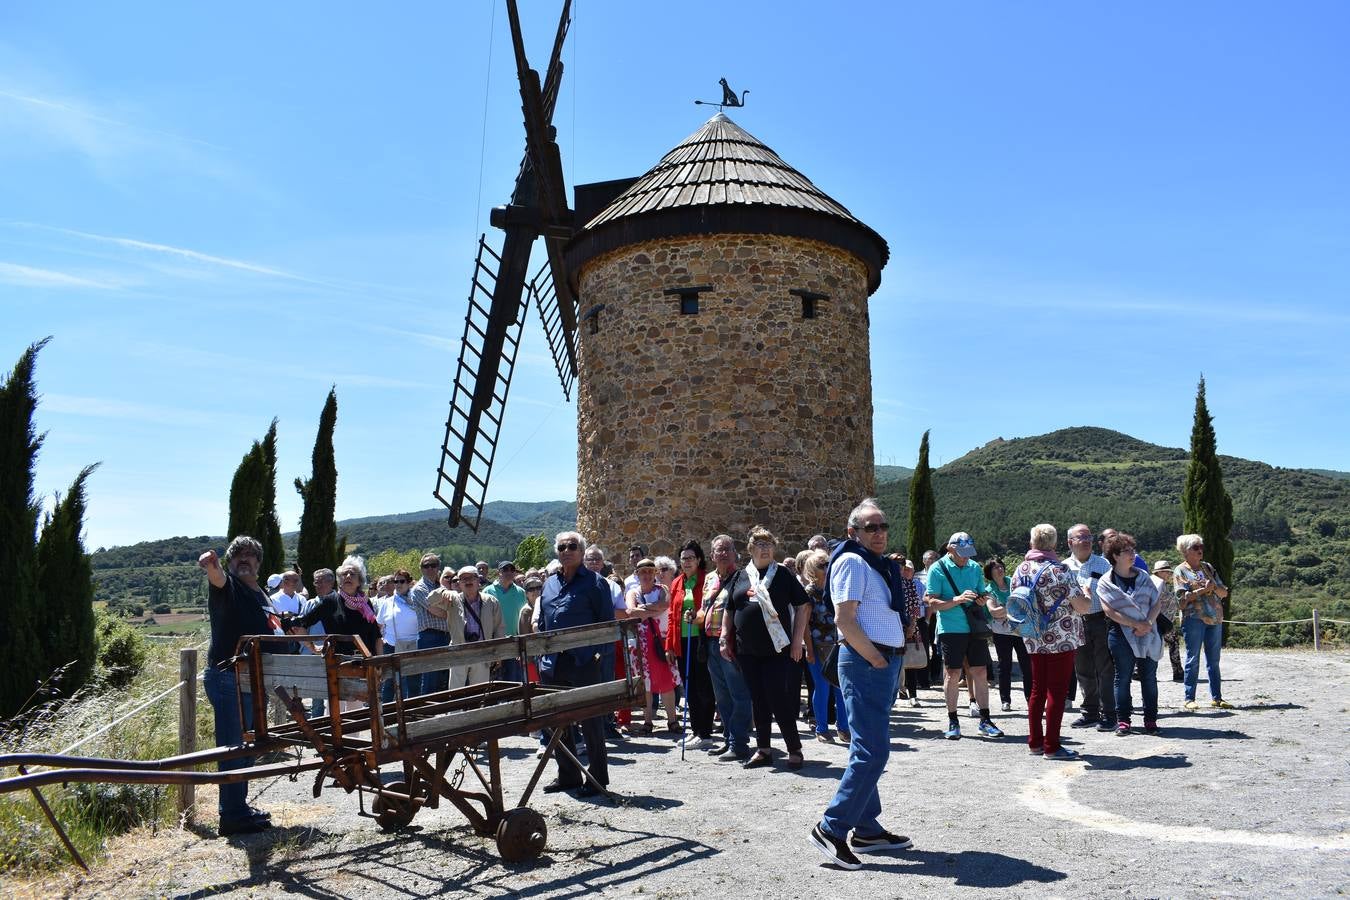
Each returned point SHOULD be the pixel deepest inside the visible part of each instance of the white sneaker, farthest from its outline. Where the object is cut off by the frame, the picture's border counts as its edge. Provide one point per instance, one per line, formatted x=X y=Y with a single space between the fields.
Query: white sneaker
x=914 y=701
x=974 y=710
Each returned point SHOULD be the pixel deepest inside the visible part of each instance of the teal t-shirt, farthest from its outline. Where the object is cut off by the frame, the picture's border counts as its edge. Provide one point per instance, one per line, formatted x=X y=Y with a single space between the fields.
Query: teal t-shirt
x=511 y=600
x=968 y=578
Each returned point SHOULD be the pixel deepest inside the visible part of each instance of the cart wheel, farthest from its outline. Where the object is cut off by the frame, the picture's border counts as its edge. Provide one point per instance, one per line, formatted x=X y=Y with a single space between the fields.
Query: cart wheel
x=521 y=835
x=391 y=812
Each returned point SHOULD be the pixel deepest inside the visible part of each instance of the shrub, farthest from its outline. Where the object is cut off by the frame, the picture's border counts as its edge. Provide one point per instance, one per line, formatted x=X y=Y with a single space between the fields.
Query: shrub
x=121 y=650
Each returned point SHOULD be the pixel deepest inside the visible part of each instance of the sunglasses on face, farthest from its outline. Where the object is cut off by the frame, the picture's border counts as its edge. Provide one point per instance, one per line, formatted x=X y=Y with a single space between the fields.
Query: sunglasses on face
x=431 y=565
x=400 y=581
x=567 y=547
x=874 y=527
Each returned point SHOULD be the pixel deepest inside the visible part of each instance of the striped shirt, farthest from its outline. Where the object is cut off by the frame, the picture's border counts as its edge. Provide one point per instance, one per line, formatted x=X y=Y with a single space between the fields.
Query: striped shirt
x=417 y=599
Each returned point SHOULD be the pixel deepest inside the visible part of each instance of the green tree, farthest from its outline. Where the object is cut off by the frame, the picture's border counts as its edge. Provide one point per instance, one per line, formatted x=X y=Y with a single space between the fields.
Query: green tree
x=922 y=507
x=19 y=446
x=65 y=582
x=253 y=501
x=318 y=546
x=268 y=529
x=246 y=497
x=1207 y=509
x=532 y=552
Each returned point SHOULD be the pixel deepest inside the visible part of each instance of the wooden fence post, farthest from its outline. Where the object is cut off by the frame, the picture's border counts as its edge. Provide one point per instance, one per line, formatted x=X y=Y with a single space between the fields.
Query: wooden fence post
x=1317 y=632
x=187 y=724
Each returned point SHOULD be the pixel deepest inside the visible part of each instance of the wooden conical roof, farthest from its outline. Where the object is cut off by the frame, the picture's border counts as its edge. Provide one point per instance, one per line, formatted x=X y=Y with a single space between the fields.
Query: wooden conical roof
x=720 y=180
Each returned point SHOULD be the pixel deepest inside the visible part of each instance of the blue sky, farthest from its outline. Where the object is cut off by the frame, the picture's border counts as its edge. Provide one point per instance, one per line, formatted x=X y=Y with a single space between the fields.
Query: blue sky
x=219 y=212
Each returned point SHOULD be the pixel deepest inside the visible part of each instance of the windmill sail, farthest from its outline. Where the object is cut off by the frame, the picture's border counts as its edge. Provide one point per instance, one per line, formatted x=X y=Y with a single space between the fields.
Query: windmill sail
x=498 y=294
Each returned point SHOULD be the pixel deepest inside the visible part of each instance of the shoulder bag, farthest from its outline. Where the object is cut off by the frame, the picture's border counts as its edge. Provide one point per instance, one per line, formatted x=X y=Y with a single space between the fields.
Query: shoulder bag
x=976 y=616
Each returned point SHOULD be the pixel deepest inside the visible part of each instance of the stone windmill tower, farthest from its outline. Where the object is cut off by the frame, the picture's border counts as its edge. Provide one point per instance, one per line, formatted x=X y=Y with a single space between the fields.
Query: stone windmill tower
x=722 y=348
x=713 y=316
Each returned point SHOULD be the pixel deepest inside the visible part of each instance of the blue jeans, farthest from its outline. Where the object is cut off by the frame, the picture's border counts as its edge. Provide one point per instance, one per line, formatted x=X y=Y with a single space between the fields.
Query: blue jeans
x=432 y=682
x=1123 y=656
x=220 y=690
x=1210 y=637
x=868 y=693
x=733 y=699
x=820 y=702
x=410 y=684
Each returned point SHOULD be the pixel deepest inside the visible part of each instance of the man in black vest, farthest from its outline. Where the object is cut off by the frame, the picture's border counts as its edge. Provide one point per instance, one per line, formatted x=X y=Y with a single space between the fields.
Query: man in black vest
x=575 y=596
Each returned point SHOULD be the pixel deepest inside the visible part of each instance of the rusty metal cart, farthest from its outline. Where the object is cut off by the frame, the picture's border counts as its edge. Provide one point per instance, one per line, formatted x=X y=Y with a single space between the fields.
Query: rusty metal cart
x=398 y=754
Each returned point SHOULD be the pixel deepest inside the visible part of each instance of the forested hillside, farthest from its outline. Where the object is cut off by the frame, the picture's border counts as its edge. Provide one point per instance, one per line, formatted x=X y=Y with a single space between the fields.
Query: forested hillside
x=1291 y=526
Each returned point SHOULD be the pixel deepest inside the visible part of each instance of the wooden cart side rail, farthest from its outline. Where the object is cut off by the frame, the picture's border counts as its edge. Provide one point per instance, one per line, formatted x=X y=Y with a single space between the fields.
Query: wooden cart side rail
x=144 y=776
x=168 y=763
x=464 y=721
x=349 y=688
x=596 y=635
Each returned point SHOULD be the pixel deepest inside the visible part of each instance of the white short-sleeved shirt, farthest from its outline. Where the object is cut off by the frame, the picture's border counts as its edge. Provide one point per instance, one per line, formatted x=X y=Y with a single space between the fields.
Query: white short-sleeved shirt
x=852 y=579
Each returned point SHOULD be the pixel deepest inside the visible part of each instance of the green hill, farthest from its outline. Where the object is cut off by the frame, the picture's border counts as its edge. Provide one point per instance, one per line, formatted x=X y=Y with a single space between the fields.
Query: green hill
x=164 y=572
x=885 y=474
x=1291 y=526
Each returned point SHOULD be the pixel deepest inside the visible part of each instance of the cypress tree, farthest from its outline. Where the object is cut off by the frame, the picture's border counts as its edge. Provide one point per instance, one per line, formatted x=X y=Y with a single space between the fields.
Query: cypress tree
x=65 y=583
x=317 y=547
x=922 y=507
x=19 y=445
x=1206 y=508
x=246 y=497
x=268 y=529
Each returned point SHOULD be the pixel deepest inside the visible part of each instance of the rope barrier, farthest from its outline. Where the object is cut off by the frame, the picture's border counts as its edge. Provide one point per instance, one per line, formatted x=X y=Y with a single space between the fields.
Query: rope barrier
x=1281 y=622
x=118 y=721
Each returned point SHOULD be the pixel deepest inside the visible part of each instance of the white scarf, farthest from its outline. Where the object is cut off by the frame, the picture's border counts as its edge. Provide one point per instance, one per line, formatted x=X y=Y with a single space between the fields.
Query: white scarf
x=760 y=586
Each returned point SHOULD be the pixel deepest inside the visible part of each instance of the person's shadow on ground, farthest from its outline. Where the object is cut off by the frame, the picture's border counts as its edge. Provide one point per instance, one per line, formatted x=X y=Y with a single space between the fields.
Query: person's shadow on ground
x=969 y=868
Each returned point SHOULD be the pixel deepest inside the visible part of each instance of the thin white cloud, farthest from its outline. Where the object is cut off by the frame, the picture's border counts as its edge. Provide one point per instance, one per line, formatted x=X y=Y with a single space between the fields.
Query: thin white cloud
x=77 y=111
x=31 y=277
x=122 y=410
x=180 y=252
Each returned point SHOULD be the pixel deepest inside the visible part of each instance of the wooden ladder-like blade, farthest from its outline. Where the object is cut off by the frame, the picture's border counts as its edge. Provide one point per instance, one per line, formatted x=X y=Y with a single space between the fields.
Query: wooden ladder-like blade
x=487 y=358
x=561 y=342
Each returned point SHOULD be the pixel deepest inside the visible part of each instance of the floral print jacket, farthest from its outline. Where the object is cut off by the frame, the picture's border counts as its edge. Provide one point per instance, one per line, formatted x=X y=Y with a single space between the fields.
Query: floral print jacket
x=1065 y=631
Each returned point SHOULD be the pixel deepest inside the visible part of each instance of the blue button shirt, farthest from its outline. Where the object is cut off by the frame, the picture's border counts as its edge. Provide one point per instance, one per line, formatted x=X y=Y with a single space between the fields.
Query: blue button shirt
x=584 y=600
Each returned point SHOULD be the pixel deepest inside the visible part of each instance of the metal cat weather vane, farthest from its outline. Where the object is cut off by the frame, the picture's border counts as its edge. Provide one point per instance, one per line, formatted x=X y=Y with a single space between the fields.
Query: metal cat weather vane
x=729 y=97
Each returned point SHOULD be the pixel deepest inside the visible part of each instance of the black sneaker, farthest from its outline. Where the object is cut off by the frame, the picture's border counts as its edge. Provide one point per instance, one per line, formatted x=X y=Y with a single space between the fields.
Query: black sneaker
x=884 y=841
x=1104 y=725
x=1084 y=721
x=834 y=849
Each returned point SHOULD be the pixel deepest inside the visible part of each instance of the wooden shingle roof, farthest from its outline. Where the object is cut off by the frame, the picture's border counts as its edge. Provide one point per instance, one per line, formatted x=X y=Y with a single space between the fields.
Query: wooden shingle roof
x=721 y=179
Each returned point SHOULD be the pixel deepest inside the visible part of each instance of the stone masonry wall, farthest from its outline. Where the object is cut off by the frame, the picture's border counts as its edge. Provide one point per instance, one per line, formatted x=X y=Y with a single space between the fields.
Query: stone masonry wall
x=746 y=413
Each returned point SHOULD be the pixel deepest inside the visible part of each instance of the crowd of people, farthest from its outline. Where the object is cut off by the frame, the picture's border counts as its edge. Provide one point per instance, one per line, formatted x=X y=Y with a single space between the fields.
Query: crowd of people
x=725 y=645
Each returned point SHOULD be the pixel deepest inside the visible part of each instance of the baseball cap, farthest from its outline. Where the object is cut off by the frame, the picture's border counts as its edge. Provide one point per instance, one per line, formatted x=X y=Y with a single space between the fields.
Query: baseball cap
x=963 y=544
x=273 y=582
x=506 y=564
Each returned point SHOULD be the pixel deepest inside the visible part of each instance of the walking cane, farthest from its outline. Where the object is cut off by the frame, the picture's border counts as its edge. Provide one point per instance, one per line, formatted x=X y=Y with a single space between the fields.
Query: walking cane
x=684 y=716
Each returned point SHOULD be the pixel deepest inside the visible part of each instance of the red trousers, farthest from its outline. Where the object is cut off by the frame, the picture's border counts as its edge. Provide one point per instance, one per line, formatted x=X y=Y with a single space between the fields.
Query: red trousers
x=1050 y=674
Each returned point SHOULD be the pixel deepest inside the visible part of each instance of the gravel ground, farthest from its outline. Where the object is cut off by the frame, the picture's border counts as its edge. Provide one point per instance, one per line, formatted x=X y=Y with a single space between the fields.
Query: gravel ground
x=1242 y=803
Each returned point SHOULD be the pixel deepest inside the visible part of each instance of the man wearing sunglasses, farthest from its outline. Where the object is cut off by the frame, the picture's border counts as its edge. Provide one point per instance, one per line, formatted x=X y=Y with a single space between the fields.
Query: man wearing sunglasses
x=432 y=629
x=573 y=596
x=871 y=615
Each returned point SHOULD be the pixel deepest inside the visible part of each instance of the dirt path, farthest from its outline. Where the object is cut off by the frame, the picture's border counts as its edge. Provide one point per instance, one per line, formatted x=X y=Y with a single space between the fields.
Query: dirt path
x=1248 y=802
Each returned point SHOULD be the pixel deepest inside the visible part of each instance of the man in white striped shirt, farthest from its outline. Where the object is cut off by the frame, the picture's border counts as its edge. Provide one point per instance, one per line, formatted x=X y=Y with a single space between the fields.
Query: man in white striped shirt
x=871 y=650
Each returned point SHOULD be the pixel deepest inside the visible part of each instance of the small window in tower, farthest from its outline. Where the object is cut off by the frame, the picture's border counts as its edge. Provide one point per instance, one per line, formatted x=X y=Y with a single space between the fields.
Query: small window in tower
x=811 y=308
x=688 y=297
x=592 y=318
